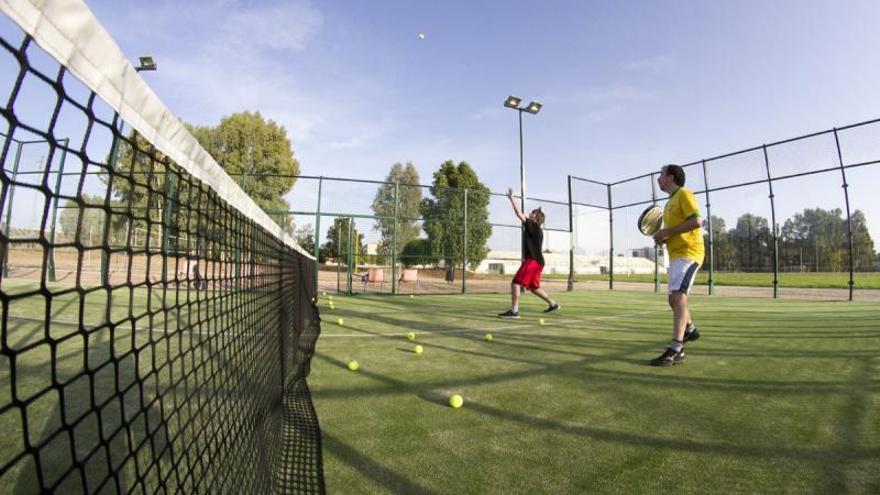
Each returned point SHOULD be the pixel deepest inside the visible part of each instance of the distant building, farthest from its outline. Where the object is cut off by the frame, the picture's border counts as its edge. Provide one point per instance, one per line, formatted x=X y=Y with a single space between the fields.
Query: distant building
x=507 y=262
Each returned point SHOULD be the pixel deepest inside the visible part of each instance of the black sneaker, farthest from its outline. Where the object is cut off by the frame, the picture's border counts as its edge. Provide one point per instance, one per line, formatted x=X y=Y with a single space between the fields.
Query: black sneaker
x=509 y=314
x=691 y=333
x=552 y=309
x=668 y=358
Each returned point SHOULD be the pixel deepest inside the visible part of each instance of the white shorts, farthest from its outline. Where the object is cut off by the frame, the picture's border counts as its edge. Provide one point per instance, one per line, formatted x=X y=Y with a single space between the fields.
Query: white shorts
x=682 y=273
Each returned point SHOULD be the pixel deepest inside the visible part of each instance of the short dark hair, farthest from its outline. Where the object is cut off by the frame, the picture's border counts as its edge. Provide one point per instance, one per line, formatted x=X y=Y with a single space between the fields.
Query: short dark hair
x=676 y=172
x=539 y=215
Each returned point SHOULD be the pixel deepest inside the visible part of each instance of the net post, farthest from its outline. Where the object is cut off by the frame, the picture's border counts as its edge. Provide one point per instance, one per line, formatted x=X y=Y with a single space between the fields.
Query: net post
x=50 y=265
x=772 y=225
x=317 y=247
x=610 y=241
x=570 y=286
x=9 y=208
x=849 y=232
x=464 y=257
x=656 y=247
x=394 y=239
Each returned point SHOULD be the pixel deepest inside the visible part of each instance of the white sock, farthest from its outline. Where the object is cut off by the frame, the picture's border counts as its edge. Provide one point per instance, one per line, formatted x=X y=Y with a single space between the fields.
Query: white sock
x=515 y=308
x=675 y=345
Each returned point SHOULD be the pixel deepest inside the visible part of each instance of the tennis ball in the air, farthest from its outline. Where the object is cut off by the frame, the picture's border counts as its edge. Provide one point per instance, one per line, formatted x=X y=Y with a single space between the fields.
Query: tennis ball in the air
x=339 y=321
x=488 y=337
x=418 y=349
x=353 y=365
x=541 y=321
x=421 y=36
x=456 y=401
x=410 y=336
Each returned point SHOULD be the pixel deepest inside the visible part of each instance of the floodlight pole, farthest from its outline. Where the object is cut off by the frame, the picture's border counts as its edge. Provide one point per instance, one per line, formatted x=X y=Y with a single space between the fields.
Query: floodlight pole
x=533 y=108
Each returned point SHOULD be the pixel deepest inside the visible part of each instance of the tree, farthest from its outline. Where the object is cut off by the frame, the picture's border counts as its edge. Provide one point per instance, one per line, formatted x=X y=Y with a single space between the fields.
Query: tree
x=444 y=215
x=752 y=242
x=722 y=249
x=258 y=154
x=409 y=198
x=305 y=237
x=417 y=252
x=91 y=229
x=337 y=243
x=818 y=239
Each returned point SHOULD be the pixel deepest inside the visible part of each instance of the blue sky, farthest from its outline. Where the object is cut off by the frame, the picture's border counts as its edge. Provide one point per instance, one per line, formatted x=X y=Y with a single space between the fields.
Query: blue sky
x=627 y=86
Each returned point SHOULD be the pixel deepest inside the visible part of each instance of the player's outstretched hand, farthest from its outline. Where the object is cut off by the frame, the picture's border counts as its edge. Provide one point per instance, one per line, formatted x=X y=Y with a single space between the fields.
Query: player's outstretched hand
x=510 y=193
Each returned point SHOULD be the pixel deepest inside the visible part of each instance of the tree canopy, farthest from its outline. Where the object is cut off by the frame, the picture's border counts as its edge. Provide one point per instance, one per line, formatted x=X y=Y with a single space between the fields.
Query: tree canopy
x=409 y=198
x=444 y=214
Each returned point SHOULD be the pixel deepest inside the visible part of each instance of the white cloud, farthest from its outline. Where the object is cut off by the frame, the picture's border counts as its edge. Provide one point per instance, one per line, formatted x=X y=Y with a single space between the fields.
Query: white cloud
x=657 y=64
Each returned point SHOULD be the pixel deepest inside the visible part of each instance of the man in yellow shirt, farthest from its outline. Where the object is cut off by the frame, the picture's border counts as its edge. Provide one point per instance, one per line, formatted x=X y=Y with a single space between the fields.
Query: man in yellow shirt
x=683 y=237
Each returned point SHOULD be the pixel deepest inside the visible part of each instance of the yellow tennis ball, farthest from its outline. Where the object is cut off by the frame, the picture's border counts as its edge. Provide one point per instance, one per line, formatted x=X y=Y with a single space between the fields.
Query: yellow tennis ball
x=411 y=296
x=339 y=321
x=332 y=306
x=330 y=297
x=421 y=36
x=353 y=365
x=418 y=349
x=324 y=293
x=541 y=321
x=456 y=401
x=410 y=336
x=488 y=337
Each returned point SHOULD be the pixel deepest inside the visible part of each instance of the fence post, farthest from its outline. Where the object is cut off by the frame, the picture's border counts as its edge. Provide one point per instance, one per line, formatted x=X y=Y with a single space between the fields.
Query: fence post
x=656 y=248
x=711 y=250
x=464 y=246
x=394 y=239
x=51 y=261
x=610 y=241
x=773 y=225
x=845 y=187
x=317 y=247
x=170 y=191
x=9 y=209
x=350 y=252
x=570 y=286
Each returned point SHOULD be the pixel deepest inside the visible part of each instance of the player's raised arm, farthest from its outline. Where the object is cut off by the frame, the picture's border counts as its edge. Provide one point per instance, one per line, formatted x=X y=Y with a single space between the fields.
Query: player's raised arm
x=516 y=210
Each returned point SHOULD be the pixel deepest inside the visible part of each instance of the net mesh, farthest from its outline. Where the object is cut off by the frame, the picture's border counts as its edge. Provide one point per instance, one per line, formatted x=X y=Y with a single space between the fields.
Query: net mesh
x=154 y=338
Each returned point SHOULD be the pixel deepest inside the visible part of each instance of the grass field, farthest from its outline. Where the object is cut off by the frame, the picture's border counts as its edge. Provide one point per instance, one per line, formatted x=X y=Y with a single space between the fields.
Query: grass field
x=777 y=397
x=863 y=280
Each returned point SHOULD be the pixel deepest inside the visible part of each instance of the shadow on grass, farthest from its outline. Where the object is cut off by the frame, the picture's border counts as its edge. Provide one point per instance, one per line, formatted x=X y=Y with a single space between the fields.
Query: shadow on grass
x=381 y=475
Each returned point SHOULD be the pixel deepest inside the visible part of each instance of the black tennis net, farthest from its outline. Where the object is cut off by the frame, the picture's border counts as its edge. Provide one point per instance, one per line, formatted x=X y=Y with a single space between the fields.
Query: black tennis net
x=155 y=338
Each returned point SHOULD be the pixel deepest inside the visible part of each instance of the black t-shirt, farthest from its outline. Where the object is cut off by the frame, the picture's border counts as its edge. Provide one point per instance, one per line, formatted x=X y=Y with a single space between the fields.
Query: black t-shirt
x=532 y=240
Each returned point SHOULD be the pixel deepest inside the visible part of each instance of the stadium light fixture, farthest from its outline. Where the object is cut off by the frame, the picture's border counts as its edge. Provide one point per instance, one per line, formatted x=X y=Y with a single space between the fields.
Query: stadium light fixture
x=147 y=64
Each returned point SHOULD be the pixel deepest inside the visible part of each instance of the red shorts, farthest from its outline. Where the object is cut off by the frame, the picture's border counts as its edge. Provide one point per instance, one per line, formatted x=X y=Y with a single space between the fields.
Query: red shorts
x=529 y=274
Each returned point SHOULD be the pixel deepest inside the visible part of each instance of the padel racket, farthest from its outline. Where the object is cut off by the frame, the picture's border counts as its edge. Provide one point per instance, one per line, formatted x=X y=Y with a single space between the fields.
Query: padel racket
x=650 y=220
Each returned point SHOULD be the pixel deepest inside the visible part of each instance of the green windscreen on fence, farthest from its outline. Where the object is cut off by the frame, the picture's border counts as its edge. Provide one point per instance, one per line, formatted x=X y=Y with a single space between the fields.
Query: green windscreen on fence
x=157 y=329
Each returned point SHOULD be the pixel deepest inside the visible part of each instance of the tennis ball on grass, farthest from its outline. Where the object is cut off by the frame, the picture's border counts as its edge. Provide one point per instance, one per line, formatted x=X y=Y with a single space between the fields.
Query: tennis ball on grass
x=339 y=321
x=324 y=293
x=411 y=296
x=330 y=297
x=456 y=401
x=541 y=321
x=488 y=337
x=411 y=336
x=418 y=349
x=353 y=365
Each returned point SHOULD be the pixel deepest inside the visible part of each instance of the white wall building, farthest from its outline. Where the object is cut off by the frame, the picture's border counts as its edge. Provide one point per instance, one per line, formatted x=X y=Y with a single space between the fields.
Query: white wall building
x=507 y=262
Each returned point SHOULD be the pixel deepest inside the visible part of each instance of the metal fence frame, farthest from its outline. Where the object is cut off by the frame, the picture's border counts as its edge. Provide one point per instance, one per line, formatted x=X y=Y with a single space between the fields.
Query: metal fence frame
x=770 y=179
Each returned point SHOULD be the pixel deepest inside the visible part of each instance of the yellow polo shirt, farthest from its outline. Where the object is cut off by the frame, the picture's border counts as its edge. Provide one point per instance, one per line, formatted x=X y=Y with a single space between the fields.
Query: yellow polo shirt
x=682 y=204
